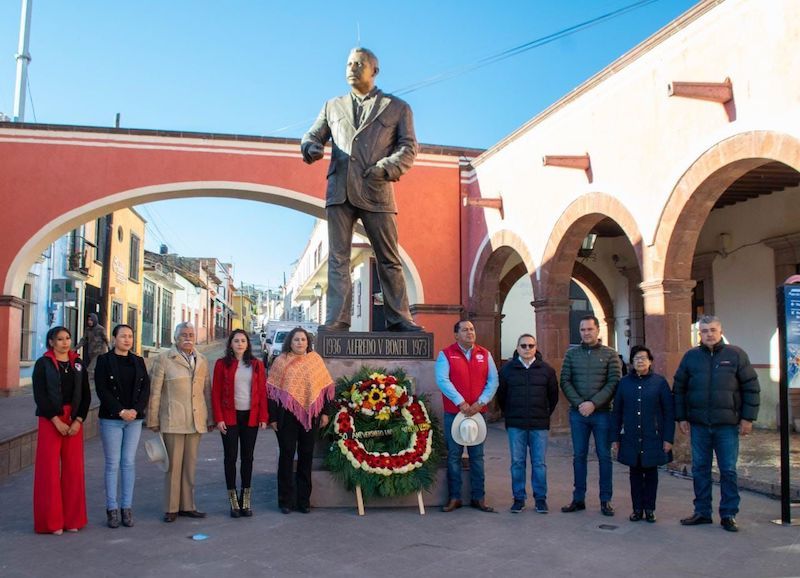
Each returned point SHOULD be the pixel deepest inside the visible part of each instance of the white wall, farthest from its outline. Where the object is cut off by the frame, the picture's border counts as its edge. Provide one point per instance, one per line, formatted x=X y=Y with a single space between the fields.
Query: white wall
x=519 y=316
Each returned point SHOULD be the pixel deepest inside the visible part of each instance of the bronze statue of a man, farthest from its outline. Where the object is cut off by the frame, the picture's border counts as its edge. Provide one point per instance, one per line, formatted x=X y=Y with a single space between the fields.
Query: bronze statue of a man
x=373 y=145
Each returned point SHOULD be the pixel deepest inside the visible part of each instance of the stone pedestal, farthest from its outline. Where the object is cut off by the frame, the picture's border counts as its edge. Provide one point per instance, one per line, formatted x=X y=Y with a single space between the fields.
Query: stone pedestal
x=331 y=493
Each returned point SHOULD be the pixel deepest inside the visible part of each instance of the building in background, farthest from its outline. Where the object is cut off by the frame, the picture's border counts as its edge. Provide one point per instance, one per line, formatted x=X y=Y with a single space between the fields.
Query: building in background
x=222 y=274
x=70 y=280
x=244 y=303
x=306 y=289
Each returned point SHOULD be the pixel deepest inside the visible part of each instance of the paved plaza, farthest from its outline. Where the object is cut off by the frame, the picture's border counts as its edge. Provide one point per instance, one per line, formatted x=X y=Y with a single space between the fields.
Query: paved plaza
x=393 y=542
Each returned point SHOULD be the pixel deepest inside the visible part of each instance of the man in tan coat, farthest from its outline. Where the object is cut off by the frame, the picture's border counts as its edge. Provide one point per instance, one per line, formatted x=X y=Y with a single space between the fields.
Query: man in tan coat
x=180 y=389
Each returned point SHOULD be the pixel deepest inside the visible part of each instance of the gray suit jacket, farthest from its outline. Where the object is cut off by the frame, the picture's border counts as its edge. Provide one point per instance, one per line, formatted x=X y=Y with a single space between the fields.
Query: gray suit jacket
x=386 y=139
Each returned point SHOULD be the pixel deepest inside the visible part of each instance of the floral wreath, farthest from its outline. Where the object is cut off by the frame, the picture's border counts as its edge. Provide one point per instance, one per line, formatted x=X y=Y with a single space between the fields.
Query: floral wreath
x=384 y=435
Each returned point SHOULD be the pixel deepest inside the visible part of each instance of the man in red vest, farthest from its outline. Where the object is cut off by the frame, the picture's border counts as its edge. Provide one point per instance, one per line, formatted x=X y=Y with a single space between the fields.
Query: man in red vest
x=467 y=376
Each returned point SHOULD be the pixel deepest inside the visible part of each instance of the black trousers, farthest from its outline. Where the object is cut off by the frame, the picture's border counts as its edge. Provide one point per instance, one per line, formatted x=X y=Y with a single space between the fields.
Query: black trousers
x=644 y=486
x=292 y=437
x=244 y=436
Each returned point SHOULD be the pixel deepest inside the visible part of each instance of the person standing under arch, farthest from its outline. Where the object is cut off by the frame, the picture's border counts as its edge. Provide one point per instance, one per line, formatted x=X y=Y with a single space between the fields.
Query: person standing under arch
x=180 y=395
x=62 y=396
x=239 y=403
x=123 y=386
x=717 y=396
x=589 y=377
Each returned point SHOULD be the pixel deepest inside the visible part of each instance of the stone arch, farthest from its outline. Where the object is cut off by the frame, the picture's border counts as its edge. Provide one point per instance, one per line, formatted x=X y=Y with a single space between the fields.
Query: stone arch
x=695 y=193
x=236 y=190
x=565 y=239
x=552 y=304
x=602 y=303
x=489 y=285
x=668 y=278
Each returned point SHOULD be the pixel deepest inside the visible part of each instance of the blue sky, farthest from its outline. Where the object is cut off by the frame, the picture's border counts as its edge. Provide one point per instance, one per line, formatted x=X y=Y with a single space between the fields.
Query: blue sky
x=265 y=68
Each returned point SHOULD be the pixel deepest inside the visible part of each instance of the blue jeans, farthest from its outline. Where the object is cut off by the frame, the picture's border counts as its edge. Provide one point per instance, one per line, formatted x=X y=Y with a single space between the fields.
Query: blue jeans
x=120 y=440
x=722 y=440
x=520 y=441
x=454 y=453
x=599 y=424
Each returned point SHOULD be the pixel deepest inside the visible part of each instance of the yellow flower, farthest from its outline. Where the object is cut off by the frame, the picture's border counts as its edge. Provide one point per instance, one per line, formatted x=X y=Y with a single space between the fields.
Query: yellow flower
x=384 y=414
x=376 y=395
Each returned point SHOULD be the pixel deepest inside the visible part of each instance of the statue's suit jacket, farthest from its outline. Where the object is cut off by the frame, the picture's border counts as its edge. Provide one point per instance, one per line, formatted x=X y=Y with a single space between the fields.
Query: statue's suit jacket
x=386 y=139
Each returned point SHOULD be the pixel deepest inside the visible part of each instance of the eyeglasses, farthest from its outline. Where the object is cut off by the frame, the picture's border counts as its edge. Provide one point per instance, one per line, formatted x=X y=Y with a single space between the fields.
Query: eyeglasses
x=527 y=345
x=643 y=358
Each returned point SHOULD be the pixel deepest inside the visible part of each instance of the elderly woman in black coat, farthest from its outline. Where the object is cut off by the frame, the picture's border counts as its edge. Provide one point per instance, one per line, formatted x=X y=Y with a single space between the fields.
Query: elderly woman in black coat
x=643 y=429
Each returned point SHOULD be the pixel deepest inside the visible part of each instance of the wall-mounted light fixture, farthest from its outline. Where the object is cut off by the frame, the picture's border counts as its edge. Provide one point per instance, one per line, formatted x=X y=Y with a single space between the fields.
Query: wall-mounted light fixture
x=587 y=246
x=317 y=290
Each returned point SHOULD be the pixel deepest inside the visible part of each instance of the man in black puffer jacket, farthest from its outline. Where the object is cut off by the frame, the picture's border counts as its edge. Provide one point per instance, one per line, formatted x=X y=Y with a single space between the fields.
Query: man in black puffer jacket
x=717 y=392
x=528 y=394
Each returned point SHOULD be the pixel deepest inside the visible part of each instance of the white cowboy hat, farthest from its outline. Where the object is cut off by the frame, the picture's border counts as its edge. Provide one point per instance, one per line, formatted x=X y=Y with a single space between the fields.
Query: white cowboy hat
x=157 y=452
x=468 y=430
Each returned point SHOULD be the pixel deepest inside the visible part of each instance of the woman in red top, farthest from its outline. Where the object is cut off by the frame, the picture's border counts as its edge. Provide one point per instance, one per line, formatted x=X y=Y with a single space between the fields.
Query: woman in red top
x=239 y=402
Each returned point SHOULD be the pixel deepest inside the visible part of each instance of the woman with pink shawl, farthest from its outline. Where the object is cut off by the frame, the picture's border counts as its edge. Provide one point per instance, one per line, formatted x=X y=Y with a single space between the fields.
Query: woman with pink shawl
x=299 y=387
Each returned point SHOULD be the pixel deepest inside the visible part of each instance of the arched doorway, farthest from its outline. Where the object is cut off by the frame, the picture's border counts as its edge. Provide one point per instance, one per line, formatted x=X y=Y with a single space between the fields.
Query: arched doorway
x=597 y=243
x=501 y=270
x=728 y=236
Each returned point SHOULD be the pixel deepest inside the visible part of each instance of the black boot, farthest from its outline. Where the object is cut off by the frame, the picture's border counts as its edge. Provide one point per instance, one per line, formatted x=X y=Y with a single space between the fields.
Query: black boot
x=245 y=501
x=234 y=503
x=127 y=517
x=112 y=518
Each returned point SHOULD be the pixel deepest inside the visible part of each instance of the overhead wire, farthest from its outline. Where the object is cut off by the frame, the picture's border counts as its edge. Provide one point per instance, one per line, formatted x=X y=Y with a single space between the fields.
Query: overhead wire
x=516 y=50
x=502 y=55
x=151 y=214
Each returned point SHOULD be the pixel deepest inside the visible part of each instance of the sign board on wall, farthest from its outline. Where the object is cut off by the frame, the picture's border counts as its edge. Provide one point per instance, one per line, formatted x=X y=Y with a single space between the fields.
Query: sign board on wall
x=63 y=290
x=119 y=270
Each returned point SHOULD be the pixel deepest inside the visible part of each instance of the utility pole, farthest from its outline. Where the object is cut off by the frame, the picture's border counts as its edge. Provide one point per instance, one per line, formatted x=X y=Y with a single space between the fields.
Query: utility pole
x=23 y=59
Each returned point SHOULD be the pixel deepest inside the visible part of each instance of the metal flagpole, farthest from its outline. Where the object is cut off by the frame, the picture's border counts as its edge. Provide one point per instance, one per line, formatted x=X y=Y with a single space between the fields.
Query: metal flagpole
x=23 y=59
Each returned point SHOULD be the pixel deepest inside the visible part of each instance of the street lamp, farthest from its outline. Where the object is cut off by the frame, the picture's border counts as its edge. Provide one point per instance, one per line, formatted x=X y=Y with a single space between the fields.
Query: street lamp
x=317 y=290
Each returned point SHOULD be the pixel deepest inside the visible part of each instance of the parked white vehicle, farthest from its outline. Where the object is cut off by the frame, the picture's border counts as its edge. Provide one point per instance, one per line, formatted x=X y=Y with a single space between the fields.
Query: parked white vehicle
x=275 y=334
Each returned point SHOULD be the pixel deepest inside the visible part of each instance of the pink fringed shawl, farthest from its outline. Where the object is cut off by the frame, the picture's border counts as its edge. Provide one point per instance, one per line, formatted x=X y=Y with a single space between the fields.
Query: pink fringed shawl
x=301 y=384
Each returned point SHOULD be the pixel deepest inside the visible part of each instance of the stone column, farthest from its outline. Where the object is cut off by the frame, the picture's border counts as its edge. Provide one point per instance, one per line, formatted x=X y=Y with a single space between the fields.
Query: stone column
x=552 y=336
x=635 y=306
x=10 y=328
x=668 y=321
x=487 y=329
x=668 y=324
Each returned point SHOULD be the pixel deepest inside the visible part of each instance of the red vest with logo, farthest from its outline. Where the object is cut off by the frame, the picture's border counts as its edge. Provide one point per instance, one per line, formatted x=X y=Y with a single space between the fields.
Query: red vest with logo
x=469 y=376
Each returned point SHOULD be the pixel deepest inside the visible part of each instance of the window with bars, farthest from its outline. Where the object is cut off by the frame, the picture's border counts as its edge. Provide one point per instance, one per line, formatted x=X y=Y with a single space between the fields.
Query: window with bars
x=28 y=334
x=101 y=238
x=133 y=321
x=148 y=313
x=133 y=269
x=166 y=318
x=116 y=313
